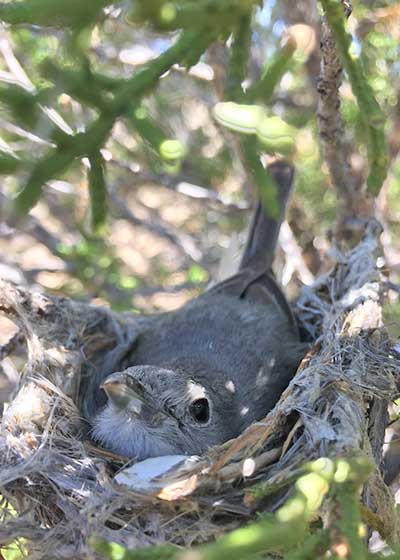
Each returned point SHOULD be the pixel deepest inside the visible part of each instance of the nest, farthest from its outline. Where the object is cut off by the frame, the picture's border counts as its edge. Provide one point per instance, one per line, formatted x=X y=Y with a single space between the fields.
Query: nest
x=59 y=490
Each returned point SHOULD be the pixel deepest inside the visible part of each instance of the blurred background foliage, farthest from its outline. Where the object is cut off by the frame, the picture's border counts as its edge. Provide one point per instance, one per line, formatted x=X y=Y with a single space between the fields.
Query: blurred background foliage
x=171 y=213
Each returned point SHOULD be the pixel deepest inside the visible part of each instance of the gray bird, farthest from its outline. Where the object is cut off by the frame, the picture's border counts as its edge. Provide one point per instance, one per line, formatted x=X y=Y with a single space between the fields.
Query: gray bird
x=199 y=375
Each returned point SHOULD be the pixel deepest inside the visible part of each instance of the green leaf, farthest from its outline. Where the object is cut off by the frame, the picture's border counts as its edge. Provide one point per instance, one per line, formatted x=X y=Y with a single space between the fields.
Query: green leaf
x=171 y=150
x=276 y=135
x=240 y=118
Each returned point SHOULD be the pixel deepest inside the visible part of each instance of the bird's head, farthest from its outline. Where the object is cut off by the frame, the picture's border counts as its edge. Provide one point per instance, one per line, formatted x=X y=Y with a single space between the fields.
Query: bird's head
x=152 y=411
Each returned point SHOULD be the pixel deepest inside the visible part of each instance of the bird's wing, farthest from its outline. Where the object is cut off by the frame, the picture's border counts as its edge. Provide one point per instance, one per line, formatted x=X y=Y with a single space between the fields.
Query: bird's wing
x=255 y=281
x=263 y=235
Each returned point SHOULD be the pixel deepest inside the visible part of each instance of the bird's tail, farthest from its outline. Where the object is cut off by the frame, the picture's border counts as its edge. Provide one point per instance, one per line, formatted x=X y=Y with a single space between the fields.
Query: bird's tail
x=263 y=235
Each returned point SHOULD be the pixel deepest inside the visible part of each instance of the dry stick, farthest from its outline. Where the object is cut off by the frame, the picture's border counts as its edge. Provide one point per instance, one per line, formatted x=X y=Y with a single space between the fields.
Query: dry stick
x=382 y=209
x=332 y=133
x=355 y=204
x=19 y=131
x=330 y=121
x=294 y=257
x=370 y=111
x=248 y=466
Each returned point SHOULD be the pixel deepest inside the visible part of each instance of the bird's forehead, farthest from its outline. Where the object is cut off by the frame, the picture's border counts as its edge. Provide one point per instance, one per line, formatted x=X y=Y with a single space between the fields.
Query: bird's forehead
x=195 y=390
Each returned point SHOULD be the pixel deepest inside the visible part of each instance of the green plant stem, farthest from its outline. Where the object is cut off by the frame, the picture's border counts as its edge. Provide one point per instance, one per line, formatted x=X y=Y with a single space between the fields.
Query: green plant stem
x=8 y=164
x=314 y=546
x=373 y=119
x=237 y=70
x=152 y=134
x=83 y=85
x=266 y=187
x=350 y=520
x=263 y=489
x=266 y=536
x=264 y=88
x=191 y=14
x=55 y=13
x=111 y=551
x=97 y=191
x=91 y=89
x=90 y=141
x=45 y=169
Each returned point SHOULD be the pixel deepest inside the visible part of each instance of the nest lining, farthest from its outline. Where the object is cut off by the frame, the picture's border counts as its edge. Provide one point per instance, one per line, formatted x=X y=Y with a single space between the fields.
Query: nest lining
x=63 y=488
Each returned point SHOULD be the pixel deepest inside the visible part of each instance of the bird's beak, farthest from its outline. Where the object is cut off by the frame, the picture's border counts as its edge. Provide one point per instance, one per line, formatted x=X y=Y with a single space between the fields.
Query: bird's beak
x=124 y=392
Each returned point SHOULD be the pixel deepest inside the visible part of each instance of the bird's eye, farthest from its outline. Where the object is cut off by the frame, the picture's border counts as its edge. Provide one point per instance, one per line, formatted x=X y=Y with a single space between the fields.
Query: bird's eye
x=200 y=410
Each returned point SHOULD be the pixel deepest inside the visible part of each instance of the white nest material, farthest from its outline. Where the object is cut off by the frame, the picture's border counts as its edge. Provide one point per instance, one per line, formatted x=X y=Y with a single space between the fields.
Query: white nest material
x=59 y=489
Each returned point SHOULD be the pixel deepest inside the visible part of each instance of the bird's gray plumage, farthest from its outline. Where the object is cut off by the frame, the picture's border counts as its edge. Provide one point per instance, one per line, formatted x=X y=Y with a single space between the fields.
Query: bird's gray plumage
x=199 y=375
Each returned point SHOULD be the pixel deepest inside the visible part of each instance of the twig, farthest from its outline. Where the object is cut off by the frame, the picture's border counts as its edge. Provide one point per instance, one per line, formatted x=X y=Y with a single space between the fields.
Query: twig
x=355 y=205
x=19 y=131
x=370 y=111
x=329 y=118
x=249 y=465
x=294 y=257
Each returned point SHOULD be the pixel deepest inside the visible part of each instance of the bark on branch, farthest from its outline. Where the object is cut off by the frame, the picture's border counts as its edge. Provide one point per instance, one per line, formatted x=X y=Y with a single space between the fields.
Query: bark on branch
x=354 y=204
